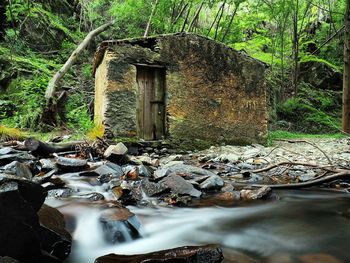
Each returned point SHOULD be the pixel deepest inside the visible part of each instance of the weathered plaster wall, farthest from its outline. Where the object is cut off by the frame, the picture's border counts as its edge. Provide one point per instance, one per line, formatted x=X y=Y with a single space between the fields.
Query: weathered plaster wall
x=214 y=93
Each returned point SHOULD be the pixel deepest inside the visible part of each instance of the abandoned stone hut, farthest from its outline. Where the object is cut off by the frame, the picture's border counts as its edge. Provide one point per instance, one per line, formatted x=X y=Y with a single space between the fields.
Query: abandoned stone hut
x=182 y=86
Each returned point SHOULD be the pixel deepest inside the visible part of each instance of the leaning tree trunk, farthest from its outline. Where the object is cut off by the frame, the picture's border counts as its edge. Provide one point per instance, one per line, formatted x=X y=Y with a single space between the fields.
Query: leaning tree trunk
x=346 y=77
x=49 y=115
x=53 y=83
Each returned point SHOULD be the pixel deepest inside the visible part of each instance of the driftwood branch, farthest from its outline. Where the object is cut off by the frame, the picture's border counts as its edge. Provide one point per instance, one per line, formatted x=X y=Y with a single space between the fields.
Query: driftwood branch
x=53 y=83
x=272 y=166
x=312 y=144
x=325 y=179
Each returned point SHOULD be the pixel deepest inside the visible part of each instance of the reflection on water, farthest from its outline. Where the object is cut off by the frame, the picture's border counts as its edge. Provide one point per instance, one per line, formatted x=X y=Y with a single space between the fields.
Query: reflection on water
x=302 y=222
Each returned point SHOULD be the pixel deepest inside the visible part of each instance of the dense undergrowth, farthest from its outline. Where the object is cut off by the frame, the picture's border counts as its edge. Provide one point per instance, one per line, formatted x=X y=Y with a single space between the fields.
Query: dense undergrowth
x=40 y=35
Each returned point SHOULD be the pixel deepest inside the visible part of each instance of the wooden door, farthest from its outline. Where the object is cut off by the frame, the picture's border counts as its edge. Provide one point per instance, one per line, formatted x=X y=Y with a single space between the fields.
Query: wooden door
x=151 y=104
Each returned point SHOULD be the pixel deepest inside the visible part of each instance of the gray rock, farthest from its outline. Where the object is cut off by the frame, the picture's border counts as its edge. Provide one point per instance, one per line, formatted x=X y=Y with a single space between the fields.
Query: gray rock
x=230 y=157
x=7 y=150
x=40 y=179
x=71 y=164
x=109 y=168
x=118 y=149
x=152 y=189
x=212 y=183
x=178 y=185
x=183 y=169
x=144 y=171
x=47 y=164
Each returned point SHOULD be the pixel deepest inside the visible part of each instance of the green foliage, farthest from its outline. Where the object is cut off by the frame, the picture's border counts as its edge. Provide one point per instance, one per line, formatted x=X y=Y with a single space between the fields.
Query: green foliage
x=310 y=58
x=29 y=94
x=77 y=114
x=313 y=111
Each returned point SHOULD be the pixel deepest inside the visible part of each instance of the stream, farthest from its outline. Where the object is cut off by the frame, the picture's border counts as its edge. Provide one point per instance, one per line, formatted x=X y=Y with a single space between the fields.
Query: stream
x=300 y=223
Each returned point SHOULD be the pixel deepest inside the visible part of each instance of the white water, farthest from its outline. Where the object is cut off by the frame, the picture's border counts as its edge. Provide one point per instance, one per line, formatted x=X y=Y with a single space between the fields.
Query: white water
x=293 y=226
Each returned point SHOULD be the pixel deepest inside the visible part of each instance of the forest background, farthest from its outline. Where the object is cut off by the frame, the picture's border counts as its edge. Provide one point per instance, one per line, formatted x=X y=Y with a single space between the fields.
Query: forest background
x=301 y=41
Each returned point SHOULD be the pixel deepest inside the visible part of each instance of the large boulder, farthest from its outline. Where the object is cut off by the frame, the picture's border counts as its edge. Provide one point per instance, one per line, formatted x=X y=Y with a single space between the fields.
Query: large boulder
x=321 y=75
x=19 y=223
x=24 y=236
x=55 y=239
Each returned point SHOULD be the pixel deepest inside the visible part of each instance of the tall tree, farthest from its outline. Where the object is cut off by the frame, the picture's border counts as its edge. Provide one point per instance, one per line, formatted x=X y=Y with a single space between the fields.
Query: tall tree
x=346 y=77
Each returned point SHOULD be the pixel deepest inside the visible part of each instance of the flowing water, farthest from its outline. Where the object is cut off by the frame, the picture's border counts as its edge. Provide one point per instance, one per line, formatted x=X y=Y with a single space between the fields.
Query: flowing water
x=301 y=222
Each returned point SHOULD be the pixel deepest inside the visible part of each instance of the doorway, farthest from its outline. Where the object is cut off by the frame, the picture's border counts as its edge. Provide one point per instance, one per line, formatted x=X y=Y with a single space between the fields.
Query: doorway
x=151 y=102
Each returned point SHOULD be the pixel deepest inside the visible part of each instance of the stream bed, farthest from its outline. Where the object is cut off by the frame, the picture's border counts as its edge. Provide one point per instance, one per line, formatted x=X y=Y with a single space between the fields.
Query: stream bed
x=301 y=225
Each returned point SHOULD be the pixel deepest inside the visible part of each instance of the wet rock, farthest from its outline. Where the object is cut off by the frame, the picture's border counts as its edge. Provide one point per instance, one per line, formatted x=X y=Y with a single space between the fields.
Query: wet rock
x=181 y=169
x=47 y=165
x=178 y=185
x=152 y=189
x=60 y=193
x=194 y=254
x=19 y=169
x=108 y=171
x=261 y=193
x=55 y=239
x=43 y=177
x=19 y=225
x=144 y=171
x=19 y=156
x=93 y=197
x=71 y=164
x=175 y=199
x=120 y=225
x=212 y=183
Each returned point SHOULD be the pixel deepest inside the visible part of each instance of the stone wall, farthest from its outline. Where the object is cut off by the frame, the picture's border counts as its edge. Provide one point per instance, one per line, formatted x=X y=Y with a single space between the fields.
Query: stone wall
x=214 y=94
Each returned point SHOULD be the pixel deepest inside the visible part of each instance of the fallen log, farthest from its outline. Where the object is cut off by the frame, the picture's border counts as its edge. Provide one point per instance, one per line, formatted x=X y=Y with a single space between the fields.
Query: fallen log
x=42 y=149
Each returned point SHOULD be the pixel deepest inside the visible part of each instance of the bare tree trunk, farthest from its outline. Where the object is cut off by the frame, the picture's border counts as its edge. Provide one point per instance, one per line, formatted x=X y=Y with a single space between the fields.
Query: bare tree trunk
x=195 y=17
x=228 y=29
x=216 y=17
x=346 y=77
x=186 y=19
x=53 y=83
x=150 y=19
x=218 y=23
x=295 y=47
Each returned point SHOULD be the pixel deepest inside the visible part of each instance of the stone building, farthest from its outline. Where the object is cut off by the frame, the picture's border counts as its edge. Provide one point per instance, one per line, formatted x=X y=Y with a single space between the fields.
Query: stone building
x=183 y=87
